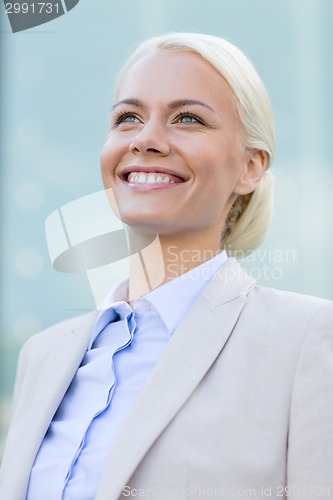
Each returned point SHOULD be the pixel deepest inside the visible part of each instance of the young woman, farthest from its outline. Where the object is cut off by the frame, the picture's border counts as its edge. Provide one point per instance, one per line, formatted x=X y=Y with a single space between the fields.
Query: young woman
x=193 y=381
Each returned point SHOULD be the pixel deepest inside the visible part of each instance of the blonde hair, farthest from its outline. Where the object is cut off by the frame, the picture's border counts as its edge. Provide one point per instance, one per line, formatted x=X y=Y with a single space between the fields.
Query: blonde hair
x=250 y=215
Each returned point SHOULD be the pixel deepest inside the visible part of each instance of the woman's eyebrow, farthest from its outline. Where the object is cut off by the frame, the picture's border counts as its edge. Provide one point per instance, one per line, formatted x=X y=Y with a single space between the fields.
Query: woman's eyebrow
x=172 y=105
x=133 y=101
x=187 y=102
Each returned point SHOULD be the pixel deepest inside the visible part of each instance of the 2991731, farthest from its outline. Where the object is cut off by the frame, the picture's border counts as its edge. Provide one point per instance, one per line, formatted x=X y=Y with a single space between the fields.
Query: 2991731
x=33 y=8
x=302 y=492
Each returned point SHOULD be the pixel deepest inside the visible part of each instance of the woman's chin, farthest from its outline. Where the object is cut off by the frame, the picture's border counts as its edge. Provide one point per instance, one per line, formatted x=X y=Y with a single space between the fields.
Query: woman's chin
x=142 y=218
x=148 y=225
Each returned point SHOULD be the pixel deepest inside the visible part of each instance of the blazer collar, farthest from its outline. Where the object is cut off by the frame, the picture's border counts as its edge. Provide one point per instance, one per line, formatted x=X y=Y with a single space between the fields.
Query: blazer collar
x=188 y=356
x=227 y=284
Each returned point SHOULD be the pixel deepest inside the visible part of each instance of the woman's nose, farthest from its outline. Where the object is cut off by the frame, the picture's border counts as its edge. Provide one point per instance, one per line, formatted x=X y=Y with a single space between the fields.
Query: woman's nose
x=152 y=139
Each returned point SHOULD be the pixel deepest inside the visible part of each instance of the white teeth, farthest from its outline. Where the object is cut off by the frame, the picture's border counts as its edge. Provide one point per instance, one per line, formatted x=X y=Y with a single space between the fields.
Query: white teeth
x=142 y=179
x=149 y=178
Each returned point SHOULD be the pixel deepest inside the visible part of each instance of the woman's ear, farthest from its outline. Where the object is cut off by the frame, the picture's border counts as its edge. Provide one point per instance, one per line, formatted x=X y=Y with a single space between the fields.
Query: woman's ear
x=254 y=168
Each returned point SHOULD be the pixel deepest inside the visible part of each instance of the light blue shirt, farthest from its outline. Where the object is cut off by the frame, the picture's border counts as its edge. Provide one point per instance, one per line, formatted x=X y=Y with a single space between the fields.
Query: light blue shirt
x=125 y=345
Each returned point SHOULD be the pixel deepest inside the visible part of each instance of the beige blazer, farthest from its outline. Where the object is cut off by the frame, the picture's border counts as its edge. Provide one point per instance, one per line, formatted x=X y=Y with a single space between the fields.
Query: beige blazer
x=240 y=405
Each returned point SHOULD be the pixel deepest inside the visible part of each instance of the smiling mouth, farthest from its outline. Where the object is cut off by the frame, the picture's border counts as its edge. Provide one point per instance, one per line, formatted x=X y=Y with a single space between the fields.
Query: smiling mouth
x=152 y=178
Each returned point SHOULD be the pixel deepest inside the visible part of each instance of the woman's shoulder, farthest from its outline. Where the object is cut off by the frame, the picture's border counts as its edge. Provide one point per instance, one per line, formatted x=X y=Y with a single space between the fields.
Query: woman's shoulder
x=47 y=339
x=290 y=307
x=285 y=298
x=289 y=296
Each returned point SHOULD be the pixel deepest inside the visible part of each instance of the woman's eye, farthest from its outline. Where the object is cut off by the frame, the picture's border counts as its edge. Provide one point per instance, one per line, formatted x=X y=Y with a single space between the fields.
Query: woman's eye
x=188 y=118
x=130 y=118
x=125 y=118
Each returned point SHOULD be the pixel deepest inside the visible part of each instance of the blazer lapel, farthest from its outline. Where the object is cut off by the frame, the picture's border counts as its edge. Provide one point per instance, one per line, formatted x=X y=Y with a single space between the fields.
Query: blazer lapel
x=58 y=363
x=193 y=348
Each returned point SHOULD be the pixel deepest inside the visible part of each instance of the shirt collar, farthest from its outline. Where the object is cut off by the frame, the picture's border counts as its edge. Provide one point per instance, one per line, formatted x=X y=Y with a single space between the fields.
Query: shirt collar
x=173 y=299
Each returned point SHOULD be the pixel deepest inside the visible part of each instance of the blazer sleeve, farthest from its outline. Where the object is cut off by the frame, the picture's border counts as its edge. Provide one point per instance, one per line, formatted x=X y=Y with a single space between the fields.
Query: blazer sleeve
x=20 y=371
x=310 y=440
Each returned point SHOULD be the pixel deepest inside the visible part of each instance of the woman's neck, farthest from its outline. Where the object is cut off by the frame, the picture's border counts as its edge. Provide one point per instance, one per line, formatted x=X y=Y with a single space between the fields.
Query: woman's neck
x=156 y=260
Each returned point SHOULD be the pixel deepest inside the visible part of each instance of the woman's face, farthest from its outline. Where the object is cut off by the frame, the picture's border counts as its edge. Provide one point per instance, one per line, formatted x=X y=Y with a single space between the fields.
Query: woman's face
x=173 y=155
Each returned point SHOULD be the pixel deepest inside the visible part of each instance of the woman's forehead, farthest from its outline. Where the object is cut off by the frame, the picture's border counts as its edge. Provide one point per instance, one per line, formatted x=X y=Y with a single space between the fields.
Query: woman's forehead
x=174 y=75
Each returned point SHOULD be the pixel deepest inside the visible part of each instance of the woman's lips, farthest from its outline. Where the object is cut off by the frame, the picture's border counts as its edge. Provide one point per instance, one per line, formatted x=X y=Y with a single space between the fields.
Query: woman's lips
x=150 y=186
x=146 y=180
x=151 y=169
